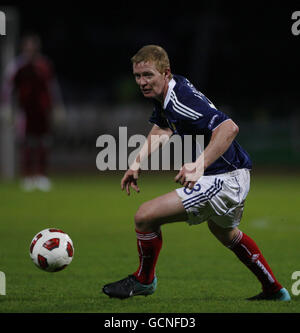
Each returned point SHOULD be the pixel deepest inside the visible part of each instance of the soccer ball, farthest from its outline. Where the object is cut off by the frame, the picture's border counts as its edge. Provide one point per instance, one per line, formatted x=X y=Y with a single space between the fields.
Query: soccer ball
x=51 y=250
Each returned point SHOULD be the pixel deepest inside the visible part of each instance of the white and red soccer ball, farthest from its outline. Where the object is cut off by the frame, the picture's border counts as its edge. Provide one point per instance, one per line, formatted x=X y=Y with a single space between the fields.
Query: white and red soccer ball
x=51 y=250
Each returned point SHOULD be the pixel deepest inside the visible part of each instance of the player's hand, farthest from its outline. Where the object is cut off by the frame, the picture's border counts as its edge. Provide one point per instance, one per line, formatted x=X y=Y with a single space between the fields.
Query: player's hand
x=130 y=180
x=188 y=175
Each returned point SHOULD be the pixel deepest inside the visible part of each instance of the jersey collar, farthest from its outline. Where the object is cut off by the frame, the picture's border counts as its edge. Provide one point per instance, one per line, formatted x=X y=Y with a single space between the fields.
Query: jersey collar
x=171 y=85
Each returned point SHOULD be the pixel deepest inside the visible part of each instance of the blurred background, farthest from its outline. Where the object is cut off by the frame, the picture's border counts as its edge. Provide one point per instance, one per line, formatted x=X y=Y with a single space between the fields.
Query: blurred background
x=242 y=57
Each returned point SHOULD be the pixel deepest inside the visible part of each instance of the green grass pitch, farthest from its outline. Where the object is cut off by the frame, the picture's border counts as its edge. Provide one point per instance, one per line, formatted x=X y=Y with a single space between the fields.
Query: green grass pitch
x=196 y=274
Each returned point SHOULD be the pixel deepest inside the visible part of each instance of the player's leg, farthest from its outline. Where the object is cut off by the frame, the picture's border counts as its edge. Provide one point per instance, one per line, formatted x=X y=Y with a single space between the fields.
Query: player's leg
x=167 y=208
x=43 y=134
x=150 y=216
x=250 y=255
x=224 y=235
x=27 y=162
x=29 y=144
x=43 y=183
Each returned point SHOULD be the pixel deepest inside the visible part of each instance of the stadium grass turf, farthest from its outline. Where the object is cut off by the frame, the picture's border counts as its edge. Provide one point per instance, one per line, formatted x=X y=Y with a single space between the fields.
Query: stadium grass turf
x=196 y=274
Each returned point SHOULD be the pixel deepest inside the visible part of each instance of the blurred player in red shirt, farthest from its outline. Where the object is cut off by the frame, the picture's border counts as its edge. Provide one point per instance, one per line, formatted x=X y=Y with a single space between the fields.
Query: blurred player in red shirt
x=31 y=79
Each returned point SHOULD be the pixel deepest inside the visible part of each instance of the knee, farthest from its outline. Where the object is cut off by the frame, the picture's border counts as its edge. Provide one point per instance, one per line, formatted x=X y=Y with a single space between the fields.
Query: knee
x=143 y=219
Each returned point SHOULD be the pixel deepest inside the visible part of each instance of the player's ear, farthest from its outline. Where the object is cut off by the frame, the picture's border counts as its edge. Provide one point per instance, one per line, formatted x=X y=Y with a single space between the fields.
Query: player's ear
x=167 y=73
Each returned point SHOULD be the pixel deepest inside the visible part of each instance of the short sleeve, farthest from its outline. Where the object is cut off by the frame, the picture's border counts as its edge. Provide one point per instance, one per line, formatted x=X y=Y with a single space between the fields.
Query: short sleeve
x=199 y=110
x=211 y=120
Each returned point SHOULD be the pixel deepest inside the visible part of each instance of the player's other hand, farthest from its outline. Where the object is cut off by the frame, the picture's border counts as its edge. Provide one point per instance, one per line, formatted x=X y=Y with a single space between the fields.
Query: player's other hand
x=188 y=175
x=130 y=180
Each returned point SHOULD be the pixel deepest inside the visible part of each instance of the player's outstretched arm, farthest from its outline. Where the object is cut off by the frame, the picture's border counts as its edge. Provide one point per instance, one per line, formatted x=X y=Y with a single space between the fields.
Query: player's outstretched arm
x=156 y=138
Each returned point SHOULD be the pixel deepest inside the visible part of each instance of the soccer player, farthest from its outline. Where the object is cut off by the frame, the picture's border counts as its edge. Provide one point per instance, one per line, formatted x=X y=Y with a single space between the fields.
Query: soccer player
x=214 y=186
x=31 y=79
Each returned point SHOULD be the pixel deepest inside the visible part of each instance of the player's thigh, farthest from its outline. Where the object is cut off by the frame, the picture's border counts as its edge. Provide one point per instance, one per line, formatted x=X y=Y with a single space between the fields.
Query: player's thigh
x=164 y=209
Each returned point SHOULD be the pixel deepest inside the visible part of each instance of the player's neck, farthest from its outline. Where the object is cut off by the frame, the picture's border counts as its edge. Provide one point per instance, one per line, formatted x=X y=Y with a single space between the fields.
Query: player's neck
x=161 y=98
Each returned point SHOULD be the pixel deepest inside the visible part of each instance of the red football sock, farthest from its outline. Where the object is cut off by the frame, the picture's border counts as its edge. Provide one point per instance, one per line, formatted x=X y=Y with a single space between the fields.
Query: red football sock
x=249 y=254
x=149 y=245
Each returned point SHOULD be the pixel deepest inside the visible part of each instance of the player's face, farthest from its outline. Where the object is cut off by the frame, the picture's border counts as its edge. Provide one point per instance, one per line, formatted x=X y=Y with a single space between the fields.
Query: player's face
x=152 y=83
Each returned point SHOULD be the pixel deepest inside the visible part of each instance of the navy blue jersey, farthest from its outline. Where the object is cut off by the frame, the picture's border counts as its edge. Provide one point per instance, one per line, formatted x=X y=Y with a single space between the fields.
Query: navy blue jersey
x=186 y=111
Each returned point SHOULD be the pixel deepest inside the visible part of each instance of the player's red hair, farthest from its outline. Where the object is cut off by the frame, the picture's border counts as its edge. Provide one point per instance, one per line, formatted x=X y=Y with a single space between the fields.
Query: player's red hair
x=155 y=54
